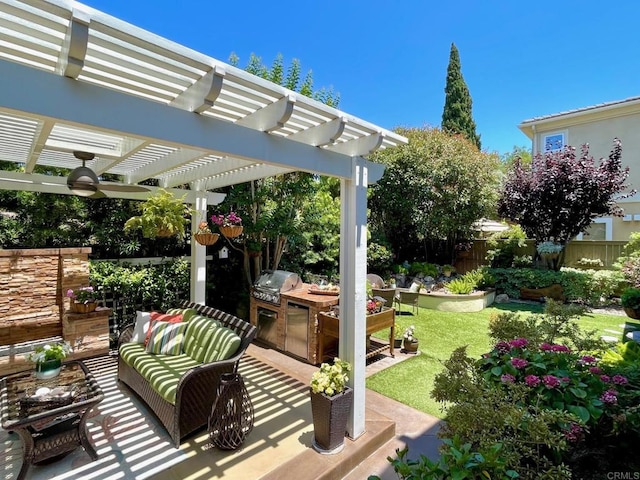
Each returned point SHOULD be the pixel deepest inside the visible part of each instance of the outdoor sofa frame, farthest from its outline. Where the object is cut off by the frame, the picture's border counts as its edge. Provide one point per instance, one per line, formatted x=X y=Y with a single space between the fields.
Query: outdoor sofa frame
x=197 y=388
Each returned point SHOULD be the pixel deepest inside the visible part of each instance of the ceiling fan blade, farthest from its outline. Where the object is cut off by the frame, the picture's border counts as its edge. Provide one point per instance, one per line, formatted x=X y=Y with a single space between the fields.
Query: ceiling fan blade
x=98 y=194
x=122 y=188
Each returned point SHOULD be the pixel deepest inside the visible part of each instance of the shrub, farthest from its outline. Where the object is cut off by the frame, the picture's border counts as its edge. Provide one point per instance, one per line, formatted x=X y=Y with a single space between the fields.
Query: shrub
x=630 y=298
x=631 y=271
x=502 y=247
x=461 y=286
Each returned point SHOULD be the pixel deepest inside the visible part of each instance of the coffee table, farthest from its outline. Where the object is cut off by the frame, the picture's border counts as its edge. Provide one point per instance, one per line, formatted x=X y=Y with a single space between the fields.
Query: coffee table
x=54 y=423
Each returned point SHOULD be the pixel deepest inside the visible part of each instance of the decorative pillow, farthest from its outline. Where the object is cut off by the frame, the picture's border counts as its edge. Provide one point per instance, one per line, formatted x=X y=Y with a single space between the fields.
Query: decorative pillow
x=415 y=287
x=187 y=313
x=140 y=329
x=161 y=317
x=166 y=338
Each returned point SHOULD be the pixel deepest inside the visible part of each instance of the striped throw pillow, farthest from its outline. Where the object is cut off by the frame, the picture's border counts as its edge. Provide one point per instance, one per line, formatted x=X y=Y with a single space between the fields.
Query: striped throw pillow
x=166 y=338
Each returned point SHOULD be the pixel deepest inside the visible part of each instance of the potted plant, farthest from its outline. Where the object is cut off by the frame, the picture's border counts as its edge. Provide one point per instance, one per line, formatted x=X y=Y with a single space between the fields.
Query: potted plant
x=331 y=400
x=410 y=342
x=82 y=300
x=204 y=235
x=549 y=250
x=398 y=337
x=447 y=270
x=161 y=215
x=230 y=225
x=630 y=300
x=48 y=359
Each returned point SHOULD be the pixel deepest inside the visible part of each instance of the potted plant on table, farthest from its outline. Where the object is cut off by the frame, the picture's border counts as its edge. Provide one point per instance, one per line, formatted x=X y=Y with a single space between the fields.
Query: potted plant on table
x=230 y=225
x=331 y=400
x=82 y=300
x=48 y=359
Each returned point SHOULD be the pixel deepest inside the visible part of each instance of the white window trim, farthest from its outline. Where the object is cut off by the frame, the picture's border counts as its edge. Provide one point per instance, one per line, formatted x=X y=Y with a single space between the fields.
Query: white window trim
x=608 y=235
x=543 y=137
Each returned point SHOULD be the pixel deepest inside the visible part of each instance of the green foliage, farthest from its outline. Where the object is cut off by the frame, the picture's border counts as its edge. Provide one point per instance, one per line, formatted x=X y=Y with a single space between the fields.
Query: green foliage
x=623 y=354
x=162 y=211
x=467 y=283
x=456 y=115
x=590 y=287
x=503 y=247
x=457 y=461
x=433 y=189
x=630 y=298
x=423 y=268
x=379 y=258
x=521 y=154
x=630 y=251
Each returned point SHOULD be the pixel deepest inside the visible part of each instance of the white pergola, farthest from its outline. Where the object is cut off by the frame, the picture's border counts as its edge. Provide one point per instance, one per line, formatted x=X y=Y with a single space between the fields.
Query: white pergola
x=73 y=78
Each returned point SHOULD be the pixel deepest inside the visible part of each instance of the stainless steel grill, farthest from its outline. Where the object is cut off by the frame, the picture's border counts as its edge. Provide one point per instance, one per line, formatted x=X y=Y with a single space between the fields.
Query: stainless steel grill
x=271 y=283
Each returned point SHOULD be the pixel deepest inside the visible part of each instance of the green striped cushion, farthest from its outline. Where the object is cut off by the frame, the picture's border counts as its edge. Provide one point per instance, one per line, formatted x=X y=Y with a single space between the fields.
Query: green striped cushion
x=223 y=344
x=187 y=313
x=198 y=335
x=166 y=338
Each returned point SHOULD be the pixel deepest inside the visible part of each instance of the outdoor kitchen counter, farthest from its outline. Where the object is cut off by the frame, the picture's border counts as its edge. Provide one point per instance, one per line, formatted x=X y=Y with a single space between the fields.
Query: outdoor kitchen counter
x=302 y=295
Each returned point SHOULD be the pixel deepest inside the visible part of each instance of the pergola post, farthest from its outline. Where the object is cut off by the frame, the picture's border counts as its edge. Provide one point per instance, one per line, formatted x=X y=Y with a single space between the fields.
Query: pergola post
x=198 y=253
x=353 y=274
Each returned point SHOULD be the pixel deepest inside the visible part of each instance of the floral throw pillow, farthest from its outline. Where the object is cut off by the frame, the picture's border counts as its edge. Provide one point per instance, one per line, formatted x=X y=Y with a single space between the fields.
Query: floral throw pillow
x=166 y=338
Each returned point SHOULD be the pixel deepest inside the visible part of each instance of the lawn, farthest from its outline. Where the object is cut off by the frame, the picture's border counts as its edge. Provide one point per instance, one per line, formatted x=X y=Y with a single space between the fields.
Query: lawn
x=410 y=382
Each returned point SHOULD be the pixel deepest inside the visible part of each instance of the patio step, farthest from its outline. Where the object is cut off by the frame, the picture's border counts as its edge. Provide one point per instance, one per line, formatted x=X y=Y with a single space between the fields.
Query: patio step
x=312 y=465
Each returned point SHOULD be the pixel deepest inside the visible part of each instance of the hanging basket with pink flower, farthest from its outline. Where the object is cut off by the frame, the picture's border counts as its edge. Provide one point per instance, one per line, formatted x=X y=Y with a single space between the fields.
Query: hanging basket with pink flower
x=230 y=225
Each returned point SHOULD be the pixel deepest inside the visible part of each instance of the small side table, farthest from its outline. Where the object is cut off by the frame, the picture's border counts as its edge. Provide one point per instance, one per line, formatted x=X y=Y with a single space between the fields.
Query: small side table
x=231 y=418
x=49 y=428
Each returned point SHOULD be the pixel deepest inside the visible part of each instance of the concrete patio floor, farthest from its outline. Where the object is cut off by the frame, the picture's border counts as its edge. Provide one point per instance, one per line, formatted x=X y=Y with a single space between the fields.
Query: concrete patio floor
x=279 y=447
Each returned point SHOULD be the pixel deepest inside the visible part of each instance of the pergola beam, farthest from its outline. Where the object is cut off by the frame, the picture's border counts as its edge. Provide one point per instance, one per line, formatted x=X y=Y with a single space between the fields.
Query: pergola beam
x=168 y=162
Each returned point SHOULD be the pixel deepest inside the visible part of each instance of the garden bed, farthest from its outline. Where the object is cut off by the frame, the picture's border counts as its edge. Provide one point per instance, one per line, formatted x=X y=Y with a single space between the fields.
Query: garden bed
x=449 y=302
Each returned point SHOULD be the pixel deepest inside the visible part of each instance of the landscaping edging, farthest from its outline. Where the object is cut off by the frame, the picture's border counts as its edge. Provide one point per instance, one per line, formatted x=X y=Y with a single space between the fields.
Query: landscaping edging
x=449 y=302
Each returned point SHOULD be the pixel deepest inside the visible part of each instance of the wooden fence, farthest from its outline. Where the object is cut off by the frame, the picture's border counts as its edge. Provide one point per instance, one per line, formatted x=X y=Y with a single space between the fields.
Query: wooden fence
x=605 y=251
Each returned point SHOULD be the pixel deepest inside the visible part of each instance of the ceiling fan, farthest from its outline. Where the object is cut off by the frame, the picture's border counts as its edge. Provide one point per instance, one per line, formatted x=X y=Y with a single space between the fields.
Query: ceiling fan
x=84 y=182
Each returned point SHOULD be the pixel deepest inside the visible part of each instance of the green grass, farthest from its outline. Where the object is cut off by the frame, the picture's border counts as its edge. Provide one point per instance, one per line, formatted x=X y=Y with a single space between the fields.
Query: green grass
x=410 y=382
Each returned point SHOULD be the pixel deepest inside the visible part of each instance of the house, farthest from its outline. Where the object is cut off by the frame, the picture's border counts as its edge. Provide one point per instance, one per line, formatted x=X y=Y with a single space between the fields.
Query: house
x=597 y=125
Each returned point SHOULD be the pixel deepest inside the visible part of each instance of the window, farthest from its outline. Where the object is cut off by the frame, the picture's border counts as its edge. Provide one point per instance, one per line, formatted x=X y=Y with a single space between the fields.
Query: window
x=601 y=229
x=553 y=142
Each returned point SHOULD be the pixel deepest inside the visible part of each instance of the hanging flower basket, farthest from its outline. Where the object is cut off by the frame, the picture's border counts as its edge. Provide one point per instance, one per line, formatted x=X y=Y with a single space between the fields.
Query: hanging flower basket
x=231 y=231
x=164 y=232
x=206 y=238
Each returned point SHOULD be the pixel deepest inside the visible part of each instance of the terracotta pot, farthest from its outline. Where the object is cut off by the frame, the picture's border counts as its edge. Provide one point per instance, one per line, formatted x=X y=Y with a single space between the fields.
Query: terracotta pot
x=330 y=415
x=232 y=231
x=77 y=307
x=206 y=238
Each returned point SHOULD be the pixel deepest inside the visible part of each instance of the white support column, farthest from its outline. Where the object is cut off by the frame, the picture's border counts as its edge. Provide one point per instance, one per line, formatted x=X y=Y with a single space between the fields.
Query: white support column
x=198 y=252
x=353 y=274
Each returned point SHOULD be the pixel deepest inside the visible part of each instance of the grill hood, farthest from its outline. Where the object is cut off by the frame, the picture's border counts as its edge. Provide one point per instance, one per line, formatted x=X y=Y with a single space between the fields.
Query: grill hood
x=278 y=281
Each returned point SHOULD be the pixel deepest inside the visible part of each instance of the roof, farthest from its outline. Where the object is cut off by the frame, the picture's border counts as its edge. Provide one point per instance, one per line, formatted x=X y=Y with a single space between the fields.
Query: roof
x=600 y=110
x=74 y=78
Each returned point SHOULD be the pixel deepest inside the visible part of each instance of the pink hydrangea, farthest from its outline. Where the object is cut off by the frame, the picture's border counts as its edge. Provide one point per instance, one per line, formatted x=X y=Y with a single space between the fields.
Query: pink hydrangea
x=507 y=378
x=551 y=381
x=587 y=359
x=605 y=378
x=620 y=380
x=503 y=347
x=532 y=380
x=560 y=348
x=595 y=370
x=519 y=363
x=519 y=343
x=610 y=397
x=575 y=433
x=545 y=347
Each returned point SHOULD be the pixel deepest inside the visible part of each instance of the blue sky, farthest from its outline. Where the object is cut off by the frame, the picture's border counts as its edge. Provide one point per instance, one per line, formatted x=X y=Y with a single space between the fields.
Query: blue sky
x=388 y=59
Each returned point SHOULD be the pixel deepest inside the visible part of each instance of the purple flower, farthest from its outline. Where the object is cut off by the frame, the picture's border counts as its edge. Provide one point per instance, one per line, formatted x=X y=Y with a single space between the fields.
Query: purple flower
x=532 y=380
x=519 y=343
x=587 y=359
x=519 y=362
x=560 y=348
x=566 y=379
x=610 y=397
x=620 y=380
x=507 y=378
x=605 y=378
x=550 y=381
x=595 y=370
x=503 y=347
x=574 y=434
x=545 y=347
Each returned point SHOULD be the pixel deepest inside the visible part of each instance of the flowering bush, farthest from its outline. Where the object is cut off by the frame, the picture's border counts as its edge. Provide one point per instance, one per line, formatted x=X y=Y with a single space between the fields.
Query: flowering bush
x=82 y=295
x=331 y=379
x=226 y=220
x=203 y=227
x=56 y=351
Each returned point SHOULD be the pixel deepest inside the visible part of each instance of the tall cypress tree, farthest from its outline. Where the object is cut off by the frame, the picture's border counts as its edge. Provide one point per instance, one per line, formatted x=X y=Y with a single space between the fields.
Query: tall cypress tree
x=456 y=116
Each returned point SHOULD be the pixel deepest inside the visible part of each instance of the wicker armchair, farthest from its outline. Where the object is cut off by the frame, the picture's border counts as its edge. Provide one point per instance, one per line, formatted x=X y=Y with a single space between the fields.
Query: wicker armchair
x=197 y=388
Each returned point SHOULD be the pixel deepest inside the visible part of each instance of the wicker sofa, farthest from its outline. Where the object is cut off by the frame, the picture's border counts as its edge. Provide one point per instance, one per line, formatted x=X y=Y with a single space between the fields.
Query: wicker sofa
x=197 y=383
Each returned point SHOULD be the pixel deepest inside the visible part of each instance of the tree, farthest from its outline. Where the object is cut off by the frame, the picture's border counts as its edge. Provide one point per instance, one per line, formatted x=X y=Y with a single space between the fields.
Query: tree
x=518 y=152
x=432 y=191
x=456 y=116
x=559 y=195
